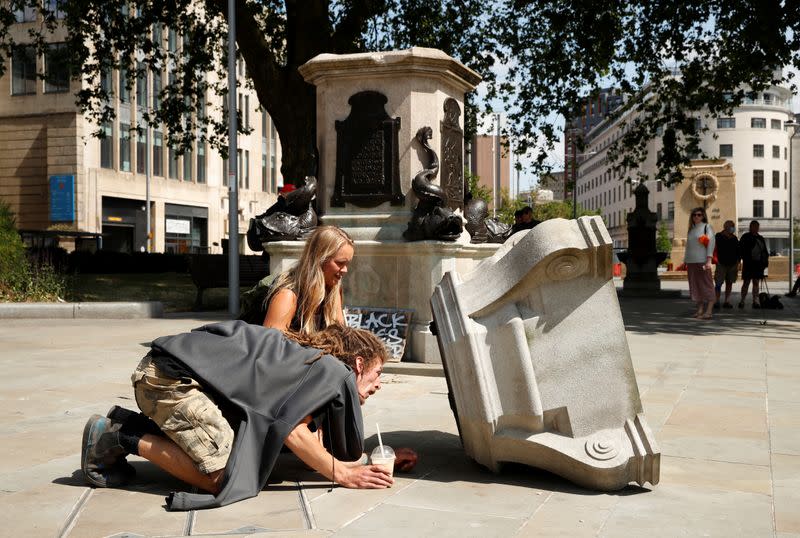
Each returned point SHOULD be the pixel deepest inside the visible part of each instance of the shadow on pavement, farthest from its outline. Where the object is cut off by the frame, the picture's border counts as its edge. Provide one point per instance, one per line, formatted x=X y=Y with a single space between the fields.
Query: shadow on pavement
x=663 y=315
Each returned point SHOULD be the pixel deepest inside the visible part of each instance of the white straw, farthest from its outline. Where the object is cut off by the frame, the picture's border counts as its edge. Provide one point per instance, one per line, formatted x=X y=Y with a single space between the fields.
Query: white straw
x=380 y=440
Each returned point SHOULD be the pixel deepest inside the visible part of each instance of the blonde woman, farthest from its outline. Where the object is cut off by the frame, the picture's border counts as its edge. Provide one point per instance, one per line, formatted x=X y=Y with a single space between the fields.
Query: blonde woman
x=308 y=297
x=699 y=252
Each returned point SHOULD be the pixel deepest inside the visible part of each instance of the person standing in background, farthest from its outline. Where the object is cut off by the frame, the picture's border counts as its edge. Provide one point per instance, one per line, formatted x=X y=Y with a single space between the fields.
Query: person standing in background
x=755 y=258
x=727 y=262
x=699 y=251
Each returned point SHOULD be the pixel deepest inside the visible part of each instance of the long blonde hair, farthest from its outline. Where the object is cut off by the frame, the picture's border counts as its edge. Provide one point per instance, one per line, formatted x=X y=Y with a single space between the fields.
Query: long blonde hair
x=307 y=281
x=345 y=343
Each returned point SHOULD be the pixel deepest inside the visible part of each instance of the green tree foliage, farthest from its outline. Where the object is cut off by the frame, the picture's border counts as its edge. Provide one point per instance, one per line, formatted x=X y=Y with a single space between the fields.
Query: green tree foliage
x=559 y=209
x=539 y=58
x=663 y=242
x=476 y=189
x=19 y=279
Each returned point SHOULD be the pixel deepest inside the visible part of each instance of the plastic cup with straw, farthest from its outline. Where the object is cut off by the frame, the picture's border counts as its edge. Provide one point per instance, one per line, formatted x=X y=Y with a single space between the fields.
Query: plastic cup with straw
x=383 y=455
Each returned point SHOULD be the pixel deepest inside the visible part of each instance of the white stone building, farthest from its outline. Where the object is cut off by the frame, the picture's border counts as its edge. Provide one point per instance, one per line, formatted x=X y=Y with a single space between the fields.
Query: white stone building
x=754 y=140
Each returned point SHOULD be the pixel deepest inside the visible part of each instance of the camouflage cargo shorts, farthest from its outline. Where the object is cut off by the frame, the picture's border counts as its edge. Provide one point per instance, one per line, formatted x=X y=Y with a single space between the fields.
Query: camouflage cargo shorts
x=185 y=414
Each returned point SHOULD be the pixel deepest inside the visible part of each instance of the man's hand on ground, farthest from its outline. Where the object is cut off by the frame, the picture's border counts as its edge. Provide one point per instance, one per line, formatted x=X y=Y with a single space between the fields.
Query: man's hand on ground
x=364 y=477
x=405 y=459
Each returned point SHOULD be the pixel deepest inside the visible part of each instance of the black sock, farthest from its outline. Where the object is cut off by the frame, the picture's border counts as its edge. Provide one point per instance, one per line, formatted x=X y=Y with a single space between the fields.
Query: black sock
x=129 y=442
x=141 y=424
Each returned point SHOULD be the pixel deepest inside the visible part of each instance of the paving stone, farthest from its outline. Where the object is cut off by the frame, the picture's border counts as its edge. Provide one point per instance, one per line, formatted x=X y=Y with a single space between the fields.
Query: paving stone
x=696 y=442
x=38 y=511
x=716 y=475
x=405 y=521
x=784 y=427
x=563 y=515
x=276 y=508
x=675 y=510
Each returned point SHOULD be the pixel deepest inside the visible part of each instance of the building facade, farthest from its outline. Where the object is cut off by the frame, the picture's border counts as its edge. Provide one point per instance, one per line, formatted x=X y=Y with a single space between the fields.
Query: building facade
x=754 y=141
x=55 y=174
x=483 y=161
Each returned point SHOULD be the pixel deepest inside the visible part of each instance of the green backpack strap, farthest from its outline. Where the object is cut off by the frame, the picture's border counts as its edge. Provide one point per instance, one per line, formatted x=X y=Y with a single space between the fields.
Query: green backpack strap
x=252 y=307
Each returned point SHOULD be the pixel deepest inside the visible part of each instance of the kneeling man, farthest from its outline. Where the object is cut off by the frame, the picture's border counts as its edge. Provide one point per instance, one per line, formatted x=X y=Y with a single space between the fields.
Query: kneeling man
x=219 y=403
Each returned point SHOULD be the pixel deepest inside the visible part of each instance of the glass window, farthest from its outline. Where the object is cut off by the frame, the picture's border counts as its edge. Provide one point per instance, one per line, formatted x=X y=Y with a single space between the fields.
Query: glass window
x=56 y=7
x=776 y=209
x=775 y=124
x=107 y=82
x=141 y=153
x=124 y=92
x=658 y=186
x=768 y=98
x=726 y=123
x=776 y=179
x=173 y=163
x=273 y=174
x=124 y=147
x=156 y=89
x=201 y=162
x=158 y=153
x=106 y=146
x=187 y=165
x=23 y=70
x=758 y=178
x=264 y=177
x=658 y=210
x=776 y=152
x=726 y=150
x=172 y=40
x=26 y=14
x=141 y=86
x=758 y=208
x=670 y=210
x=758 y=150
x=758 y=123
x=247 y=169
x=56 y=68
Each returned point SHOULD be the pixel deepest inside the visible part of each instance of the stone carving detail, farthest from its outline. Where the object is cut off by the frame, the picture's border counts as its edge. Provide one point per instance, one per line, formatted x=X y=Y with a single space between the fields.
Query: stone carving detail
x=431 y=219
x=537 y=363
x=452 y=155
x=367 y=155
x=291 y=218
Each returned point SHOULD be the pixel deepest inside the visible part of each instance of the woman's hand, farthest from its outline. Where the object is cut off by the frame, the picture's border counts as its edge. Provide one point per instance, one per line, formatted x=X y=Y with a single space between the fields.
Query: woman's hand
x=405 y=459
x=707 y=266
x=364 y=477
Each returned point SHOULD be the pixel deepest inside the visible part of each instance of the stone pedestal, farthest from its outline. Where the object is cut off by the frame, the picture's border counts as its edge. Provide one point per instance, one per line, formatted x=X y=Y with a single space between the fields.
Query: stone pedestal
x=369 y=108
x=537 y=361
x=396 y=274
x=641 y=259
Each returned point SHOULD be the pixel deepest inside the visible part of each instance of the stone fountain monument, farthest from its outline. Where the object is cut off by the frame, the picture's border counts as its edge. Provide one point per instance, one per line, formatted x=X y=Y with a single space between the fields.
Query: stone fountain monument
x=370 y=109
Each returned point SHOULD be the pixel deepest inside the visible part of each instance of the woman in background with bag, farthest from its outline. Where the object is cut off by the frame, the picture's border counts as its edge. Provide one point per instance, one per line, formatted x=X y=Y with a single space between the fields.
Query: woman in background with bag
x=699 y=251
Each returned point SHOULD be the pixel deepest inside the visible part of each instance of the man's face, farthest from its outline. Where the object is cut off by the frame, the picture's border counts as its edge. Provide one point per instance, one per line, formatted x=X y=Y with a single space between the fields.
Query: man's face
x=369 y=380
x=527 y=217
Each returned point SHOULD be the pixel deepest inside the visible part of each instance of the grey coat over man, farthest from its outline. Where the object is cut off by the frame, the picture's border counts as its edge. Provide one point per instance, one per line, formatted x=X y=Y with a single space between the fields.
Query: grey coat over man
x=272 y=383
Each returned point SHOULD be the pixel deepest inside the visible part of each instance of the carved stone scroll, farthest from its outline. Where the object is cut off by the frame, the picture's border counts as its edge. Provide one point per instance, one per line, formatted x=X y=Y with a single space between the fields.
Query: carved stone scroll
x=367 y=161
x=537 y=362
x=452 y=150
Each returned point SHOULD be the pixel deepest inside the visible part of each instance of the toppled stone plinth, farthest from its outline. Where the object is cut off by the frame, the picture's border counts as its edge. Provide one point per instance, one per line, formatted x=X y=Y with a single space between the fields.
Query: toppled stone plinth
x=537 y=362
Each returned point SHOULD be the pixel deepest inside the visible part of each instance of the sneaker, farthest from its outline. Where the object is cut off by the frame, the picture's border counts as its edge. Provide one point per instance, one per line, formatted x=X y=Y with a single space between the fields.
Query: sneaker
x=102 y=457
x=791 y=294
x=756 y=305
x=741 y=303
x=120 y=414
x=716 y=306
x=134 y=421
x=727 y=305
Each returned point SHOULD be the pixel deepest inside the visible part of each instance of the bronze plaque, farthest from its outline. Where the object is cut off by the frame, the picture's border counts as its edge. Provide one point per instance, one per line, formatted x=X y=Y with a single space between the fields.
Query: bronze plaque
x=452 y=151
x=367 y=155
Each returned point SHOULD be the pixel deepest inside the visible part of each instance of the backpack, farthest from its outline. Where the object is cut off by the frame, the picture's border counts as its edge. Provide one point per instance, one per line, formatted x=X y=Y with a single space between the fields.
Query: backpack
x=252 y=308
x=773 y=302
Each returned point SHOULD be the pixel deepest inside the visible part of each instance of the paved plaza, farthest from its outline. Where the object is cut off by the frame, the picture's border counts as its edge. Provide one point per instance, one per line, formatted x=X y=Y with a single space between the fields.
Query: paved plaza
x=722 y=397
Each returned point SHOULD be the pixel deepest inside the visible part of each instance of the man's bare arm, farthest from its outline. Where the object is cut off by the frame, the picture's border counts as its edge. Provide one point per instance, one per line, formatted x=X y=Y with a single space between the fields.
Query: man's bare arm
x=307 y=447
